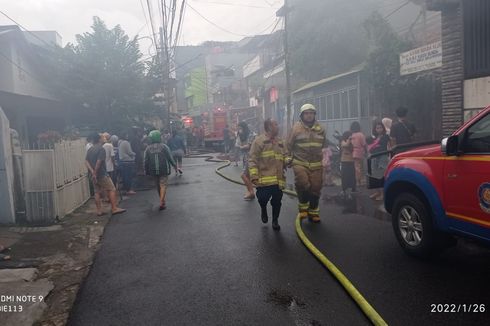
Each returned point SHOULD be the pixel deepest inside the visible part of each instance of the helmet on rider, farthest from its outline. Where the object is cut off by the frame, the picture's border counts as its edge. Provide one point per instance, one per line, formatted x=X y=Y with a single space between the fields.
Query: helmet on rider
x=155 y=136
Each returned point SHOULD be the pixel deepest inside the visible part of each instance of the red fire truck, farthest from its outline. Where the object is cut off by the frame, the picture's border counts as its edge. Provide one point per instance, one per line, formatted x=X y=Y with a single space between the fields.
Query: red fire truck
x=214 y=123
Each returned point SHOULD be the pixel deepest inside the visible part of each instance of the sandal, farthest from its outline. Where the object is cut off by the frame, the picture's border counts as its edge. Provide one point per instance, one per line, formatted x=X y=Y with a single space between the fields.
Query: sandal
x=5 y=257
x=249 y=197
x=119 y=211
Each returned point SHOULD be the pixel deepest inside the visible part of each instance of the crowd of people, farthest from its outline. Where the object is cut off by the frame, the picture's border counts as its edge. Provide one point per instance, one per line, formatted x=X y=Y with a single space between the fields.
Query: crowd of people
x=113 y=161
x=308 y=153
x=356 y=147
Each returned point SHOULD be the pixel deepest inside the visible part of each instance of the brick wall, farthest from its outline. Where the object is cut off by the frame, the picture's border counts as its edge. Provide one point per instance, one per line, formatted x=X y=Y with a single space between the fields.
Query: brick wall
x=452 y=69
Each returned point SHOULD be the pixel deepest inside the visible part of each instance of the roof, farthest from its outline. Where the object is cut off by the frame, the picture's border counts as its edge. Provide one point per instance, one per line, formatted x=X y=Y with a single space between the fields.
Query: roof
x=354 y=70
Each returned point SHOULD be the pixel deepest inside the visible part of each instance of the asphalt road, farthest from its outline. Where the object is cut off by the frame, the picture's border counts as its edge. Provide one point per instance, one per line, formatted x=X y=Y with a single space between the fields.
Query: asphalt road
x=208 y=260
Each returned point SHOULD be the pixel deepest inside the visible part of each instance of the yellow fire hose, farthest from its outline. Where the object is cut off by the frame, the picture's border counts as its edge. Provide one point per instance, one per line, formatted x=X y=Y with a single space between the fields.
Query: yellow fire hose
x=366 y=308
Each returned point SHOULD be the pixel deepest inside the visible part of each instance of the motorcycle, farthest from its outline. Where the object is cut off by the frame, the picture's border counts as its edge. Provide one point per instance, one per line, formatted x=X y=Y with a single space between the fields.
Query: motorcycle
x=336 y=152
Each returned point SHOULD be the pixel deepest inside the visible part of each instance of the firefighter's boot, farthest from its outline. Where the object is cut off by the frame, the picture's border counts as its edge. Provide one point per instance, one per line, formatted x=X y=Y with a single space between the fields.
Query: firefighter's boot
x=303 y=204
x=263 y=214
x=276 y=210
x=314 y=209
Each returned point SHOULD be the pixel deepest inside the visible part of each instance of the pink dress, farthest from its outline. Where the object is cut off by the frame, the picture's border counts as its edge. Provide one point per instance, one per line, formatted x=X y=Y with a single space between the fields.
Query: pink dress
x=359 y=143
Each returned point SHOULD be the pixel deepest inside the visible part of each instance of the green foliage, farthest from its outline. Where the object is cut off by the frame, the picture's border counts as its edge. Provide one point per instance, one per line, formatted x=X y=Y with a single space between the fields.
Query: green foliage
x=420 y=92
x=383 y=63
x=103 y=75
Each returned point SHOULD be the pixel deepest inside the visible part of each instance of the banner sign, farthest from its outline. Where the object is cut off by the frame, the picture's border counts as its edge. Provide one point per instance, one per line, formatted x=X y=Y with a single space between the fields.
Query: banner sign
x=420 y=59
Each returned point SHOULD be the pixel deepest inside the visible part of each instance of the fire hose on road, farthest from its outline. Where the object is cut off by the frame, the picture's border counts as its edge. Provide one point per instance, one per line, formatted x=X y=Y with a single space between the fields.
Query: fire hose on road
x=361 y=302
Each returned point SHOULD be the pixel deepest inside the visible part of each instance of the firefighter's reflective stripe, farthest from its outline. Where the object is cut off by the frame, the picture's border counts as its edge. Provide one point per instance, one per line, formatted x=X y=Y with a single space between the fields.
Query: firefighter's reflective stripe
x=270 y=154
x=303 y=207
x=266 y=154
x=271 y=180
x=308 y=164
x=253 y=172
x=314 y=211
x=310 y=144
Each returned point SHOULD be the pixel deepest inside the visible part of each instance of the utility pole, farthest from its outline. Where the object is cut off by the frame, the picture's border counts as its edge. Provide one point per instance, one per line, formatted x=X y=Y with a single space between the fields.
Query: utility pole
x=165 y=77
x=284 y=12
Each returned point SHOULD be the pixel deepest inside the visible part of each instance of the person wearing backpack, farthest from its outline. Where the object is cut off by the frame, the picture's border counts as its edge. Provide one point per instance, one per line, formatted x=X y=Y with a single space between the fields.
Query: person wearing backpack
x=158 y=161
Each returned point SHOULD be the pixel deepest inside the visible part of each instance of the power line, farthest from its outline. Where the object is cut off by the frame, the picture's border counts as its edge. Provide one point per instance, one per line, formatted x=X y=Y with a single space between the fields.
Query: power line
x=212 y=23
x=234 y=4
x=28 y=73
x=31 y=33
x=396 y=10
x=151 y=22
x=49 y=45
x=179 y=25
x=147 y=24
x=275 y=23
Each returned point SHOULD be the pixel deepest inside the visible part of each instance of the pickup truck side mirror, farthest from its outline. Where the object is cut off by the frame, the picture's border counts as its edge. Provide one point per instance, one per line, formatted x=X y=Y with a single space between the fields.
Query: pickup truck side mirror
x=450 y=146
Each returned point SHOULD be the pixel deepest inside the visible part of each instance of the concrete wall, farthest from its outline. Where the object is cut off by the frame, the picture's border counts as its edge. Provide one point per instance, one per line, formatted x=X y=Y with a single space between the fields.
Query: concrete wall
x=233 y=61
x=26 y=80
x=6 y=68
x=196 y=88
x=19 y=70
x=7 y=213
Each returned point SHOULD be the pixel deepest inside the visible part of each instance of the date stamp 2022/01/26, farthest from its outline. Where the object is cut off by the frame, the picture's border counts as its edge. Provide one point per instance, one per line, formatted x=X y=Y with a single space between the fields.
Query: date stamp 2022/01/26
x=17 y=303
x=457 y=307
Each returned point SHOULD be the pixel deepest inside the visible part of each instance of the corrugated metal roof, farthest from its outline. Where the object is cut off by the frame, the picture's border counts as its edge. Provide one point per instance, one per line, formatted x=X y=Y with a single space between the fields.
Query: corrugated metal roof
x=329 y=79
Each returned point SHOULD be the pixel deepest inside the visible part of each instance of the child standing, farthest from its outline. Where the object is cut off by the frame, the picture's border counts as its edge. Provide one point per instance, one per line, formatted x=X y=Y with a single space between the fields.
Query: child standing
x=347 y=163
x=359 y=151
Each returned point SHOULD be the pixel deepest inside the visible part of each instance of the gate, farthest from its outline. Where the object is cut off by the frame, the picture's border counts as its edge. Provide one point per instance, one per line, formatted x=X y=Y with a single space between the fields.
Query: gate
x=56 y=181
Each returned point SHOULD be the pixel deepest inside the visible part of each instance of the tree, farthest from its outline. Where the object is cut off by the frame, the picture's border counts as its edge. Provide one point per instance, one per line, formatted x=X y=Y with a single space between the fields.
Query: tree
x=104 y=75
x=420 y=92
x=383 y=63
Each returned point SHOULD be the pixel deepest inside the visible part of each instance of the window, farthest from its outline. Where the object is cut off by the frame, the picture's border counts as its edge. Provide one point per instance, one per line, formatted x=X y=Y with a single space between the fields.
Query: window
x=329 y=107
x=190 y=102
x=477 y=138
x=316 y=103
x=336 y=106
x=322 y=109
x=187 y=81
x=344 y=105
x=353 y=105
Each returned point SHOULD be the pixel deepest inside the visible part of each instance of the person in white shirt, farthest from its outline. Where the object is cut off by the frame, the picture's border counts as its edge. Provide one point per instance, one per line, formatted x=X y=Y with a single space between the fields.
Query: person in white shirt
x=109 y=155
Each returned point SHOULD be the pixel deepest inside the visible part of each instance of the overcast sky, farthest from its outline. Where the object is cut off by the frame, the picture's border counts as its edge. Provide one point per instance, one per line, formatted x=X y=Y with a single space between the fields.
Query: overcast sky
x=71 y=17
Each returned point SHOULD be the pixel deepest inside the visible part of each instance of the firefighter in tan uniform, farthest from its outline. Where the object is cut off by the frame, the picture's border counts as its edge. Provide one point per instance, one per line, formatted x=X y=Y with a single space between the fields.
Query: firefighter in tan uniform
x=305 y=145
x=266 y=166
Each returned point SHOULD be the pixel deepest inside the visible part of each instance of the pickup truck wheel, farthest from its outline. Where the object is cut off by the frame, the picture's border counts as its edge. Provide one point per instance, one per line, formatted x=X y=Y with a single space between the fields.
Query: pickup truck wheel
x=413 y=226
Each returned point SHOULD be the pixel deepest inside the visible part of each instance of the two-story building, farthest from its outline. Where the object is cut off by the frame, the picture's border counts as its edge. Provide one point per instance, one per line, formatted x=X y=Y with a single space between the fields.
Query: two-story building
x=27 y=101
x=465 y=59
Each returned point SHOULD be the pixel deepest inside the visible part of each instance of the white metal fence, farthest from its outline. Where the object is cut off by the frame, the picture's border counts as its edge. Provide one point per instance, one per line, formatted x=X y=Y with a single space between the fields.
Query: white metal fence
x=55 y=181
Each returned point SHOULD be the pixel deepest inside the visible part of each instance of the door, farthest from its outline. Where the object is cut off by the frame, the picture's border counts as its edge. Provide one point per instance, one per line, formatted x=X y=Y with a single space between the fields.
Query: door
x=467 y=179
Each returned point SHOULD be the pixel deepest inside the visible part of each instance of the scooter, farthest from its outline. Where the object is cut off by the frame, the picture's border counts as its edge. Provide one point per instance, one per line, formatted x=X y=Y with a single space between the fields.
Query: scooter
x=336 y=153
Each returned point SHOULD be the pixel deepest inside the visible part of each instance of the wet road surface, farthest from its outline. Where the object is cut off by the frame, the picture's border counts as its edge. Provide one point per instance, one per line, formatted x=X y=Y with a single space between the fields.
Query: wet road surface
x=208 y=260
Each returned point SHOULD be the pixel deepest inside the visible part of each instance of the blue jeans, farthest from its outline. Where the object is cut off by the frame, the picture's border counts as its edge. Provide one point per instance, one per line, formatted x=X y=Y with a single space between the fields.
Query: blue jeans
x=127 y=173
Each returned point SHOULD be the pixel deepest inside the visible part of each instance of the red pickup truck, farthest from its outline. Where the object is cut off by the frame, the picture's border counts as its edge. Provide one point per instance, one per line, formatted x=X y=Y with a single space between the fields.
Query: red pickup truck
x=437 y=192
